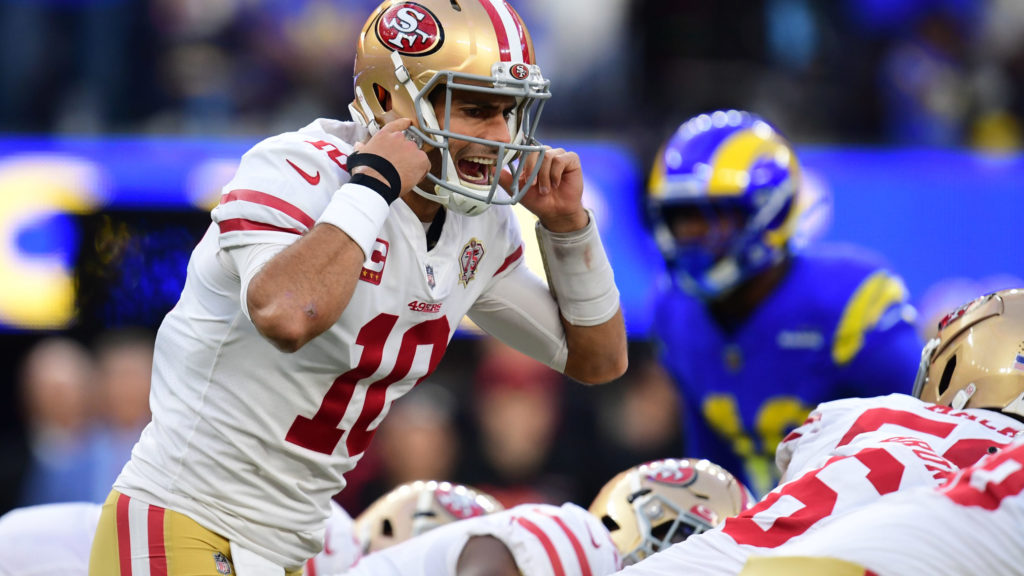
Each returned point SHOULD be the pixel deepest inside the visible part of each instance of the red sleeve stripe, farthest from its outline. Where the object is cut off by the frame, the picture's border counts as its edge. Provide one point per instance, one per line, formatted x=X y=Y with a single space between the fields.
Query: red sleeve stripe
x=576 y=546
x=242 y=225
x=269 y=201
x=157 y=549
x=545 y=541
x=124 y=539
x=510 y=260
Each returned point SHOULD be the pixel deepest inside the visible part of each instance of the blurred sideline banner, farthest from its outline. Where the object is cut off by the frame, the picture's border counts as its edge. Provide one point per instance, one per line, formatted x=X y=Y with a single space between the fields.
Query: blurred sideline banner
x=96 y=232
x=948 y=221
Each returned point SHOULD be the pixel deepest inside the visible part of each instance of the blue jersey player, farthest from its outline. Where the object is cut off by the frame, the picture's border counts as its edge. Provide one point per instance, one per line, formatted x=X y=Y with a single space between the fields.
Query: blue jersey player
x=754 y=334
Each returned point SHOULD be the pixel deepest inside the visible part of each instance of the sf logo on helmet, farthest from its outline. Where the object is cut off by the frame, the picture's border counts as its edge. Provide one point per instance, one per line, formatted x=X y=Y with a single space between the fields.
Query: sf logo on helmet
x=461 y=506
x=410 y=29
x=670 y=472
x=519 y=71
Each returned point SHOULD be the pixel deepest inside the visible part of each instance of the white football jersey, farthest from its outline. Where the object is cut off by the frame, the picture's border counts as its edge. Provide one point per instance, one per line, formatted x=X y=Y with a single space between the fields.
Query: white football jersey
x=962 y=436
x=544 y=540
x=848 y=454
x=48 y=540
x=969 y=525
x=857 y=475
x=252 y=442
x=341 y=547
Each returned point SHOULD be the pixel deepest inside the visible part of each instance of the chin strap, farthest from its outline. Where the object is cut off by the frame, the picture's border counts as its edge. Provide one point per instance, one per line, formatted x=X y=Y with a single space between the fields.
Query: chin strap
x=423 y=108
x=360 y=112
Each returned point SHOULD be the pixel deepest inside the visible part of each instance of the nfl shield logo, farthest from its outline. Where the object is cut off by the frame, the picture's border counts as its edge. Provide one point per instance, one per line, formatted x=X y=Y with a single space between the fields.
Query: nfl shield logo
x=222 y=564
x=430 y=276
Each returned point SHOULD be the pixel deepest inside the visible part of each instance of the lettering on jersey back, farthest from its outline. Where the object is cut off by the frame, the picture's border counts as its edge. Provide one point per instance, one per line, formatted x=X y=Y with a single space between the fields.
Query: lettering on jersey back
x=373 y=268
x=1008 y=431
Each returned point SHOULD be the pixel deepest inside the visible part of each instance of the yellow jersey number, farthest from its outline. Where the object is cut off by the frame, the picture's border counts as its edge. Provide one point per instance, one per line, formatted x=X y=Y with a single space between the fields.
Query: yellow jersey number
x=775 y=418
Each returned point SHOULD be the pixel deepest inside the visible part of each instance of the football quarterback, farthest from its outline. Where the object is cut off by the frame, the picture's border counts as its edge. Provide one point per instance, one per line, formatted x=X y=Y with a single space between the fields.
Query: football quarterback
x=339 y=262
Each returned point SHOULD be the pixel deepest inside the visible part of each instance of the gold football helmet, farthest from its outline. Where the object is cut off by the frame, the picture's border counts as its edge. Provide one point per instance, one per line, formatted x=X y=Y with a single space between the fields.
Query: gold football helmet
x=977 y=358
x=417 y=507
x=654 y=505
x=407 y=49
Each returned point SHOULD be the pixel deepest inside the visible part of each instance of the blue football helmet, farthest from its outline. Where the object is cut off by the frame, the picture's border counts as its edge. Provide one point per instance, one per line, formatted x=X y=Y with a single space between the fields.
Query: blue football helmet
x=722 y=200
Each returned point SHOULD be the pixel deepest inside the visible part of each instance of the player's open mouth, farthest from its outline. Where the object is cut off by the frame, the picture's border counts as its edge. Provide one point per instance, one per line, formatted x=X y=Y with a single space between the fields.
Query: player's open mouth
x=476 y=170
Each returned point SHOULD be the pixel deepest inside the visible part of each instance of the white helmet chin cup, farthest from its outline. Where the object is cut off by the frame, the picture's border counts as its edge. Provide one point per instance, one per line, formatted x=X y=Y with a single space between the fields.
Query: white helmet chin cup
x=458 y=203
x=466 y=205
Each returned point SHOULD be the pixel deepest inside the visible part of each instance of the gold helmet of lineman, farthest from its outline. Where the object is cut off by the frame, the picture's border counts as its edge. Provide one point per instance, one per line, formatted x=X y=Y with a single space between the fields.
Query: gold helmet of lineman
x=654 y=505
x=417 y=507
x=406 y=50
x=977 y=358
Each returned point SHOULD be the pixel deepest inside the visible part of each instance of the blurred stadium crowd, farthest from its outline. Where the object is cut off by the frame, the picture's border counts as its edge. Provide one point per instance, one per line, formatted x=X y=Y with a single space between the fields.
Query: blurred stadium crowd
x=902 y=72
x=942 y=73
x=490 y=417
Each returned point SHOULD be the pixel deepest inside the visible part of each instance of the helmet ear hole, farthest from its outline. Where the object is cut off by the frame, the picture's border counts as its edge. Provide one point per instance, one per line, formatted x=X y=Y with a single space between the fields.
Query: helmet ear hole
x=383 y=97
x=947 y=375
x=386 y=528
x=609 y=523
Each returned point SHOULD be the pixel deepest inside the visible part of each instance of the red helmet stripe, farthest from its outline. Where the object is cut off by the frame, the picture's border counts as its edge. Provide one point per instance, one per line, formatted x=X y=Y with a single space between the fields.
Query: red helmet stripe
x=521 y=30
x=504 y=22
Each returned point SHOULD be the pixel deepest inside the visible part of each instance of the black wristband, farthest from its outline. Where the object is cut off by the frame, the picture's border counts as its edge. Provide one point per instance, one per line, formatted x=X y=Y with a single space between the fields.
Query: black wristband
x=382 y=165
x=376 y=185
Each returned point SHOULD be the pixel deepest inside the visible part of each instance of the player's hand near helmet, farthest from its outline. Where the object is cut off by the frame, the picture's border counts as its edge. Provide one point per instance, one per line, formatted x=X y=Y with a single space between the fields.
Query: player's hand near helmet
x=390 y=143
x=556 y=196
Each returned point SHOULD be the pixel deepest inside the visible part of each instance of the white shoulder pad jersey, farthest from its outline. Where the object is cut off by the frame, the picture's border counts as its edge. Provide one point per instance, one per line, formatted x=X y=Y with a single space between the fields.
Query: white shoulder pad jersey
x=341 y=547
x=962 y=436
x=545 y=540
x=48 y=540
x=969 y=525
x=858 y=474
x=252 y=442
